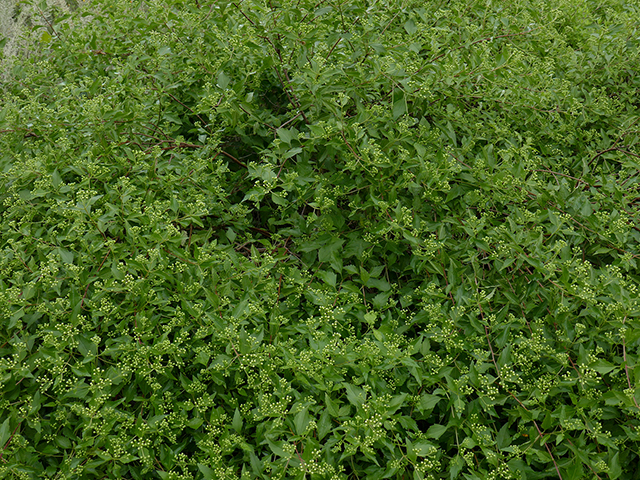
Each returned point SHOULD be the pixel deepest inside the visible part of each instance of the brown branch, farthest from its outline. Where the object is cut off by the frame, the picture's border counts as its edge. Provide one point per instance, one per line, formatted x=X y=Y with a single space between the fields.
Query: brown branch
x=628 y=153
x=9 y=441
x=181 y=145
x=243 y=14
x=50 y=25
x=540 y=435
x=290 y=120
x=297 y=102
x=84 y=295
x=251 y=115
x=626 y=366
x=261 y=230
x=204 y=124
x=232 y=158
x=350 y=147
x=601 y=153
x=179 y=257
x=390 y=21
x=23 y=262
x=486 y=332
x=334 y=46
x=579 y=180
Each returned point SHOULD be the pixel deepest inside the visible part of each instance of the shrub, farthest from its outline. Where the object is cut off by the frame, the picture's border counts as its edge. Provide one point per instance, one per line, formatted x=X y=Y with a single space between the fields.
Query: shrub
x=322 y=240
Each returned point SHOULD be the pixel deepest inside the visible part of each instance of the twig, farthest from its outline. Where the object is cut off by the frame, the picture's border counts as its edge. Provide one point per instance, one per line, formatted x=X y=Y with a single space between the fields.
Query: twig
x=232 y=158
x=243 y=14
x=306 y=120
x=9 y=441
x=601 y=153
x=179 y=257
x=628 y=153
x=540 y=435
x=486 y=332
x=23 y=262
x=390 y=21
x=251 y=115
x=312 y=10
x=50 y=25
x=334 y=46
x=579 y=180
x=626 y=367
x=290 y=120
x=350 y=147
x=204 y=124
x=88 y=284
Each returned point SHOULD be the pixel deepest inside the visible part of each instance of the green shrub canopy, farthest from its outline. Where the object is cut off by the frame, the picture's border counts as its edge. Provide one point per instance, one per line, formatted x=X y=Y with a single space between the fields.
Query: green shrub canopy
x=323 y=240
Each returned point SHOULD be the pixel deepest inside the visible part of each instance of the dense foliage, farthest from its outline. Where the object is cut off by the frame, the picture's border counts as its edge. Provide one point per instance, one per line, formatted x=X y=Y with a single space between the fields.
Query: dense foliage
x=323 y=240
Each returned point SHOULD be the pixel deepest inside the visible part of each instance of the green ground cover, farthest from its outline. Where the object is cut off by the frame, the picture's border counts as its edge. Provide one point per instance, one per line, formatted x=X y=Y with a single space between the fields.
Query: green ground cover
x=323 y=240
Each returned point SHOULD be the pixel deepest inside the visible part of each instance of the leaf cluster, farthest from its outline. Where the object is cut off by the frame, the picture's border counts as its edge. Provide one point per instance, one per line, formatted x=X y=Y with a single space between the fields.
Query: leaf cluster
x=323 y=241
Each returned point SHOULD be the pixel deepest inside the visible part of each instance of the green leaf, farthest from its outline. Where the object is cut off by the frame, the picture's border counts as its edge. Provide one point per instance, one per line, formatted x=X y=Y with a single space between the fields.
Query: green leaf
x=503 y=439
x=223 y=81
x=436 y=431
x=287 y=135
x=322 y=11
x=456 y=466
x=602 y=366
x=380 y=300
x=370 y=317
x=428 y=401
x=422 y=449
x=115 y=271
x=172 y=118
x=277 y=449
x=66 y=256
x=324 y=424
x=56 y=179
x=278 y=199
x=195 y=423
x=615 y=470
x=209 y=473
x=63 y=442
x=13 y=320
x=292 y=152
x=410 y=27
x=301 y=421
x=355 y=395
x=330 y=249
x=399 y=108
x=328 y=277
x=332 y=406
x=231 y=235
x=575 y=471
x=5 y=431
x=236 y=423
x=396 y=402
